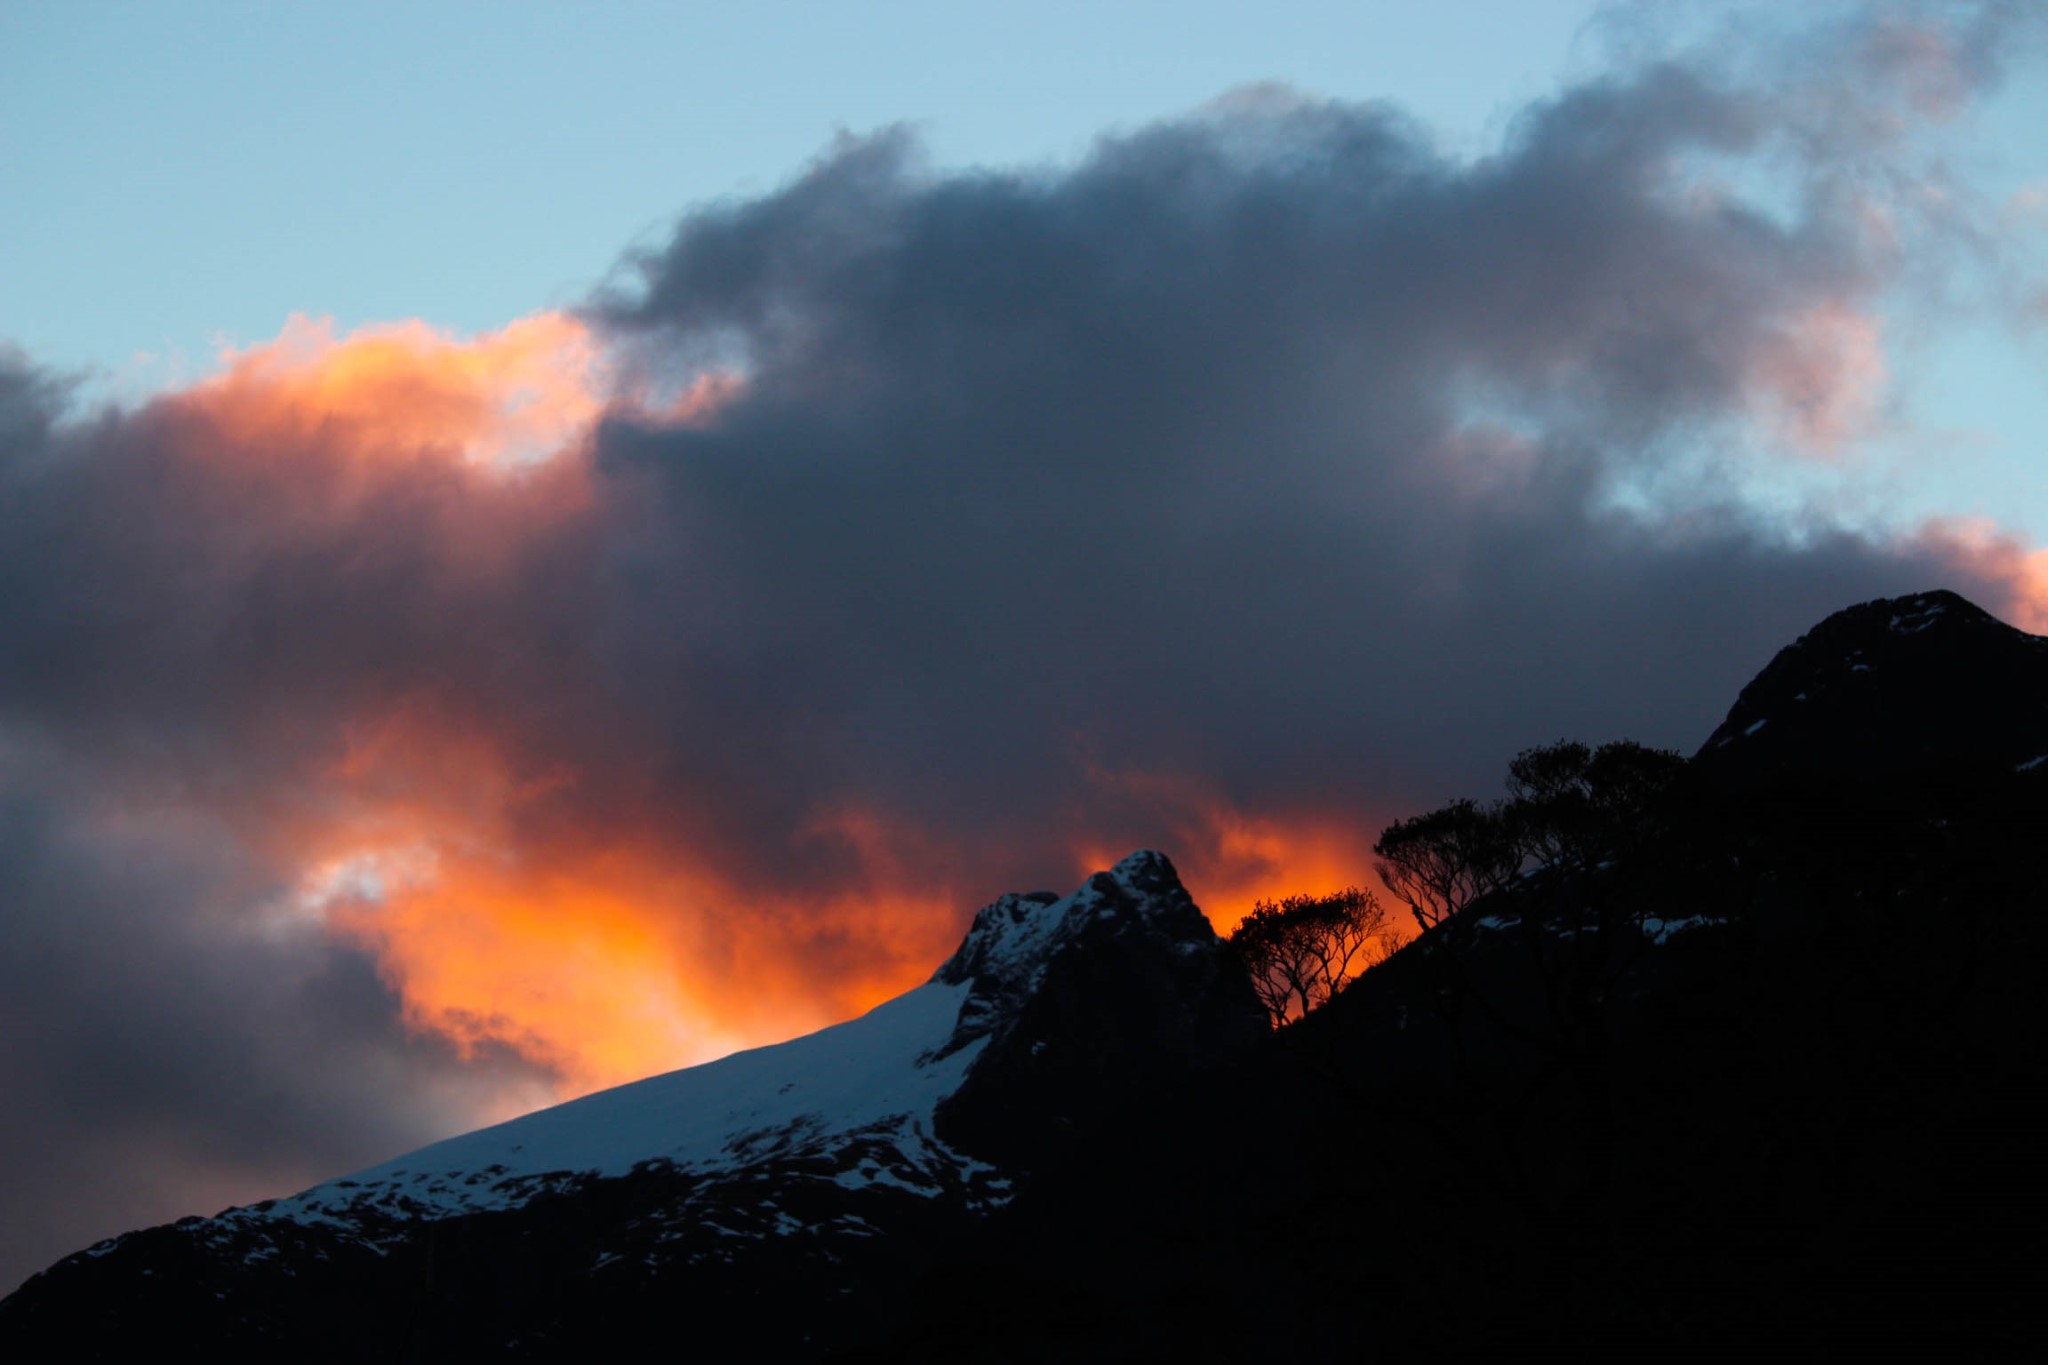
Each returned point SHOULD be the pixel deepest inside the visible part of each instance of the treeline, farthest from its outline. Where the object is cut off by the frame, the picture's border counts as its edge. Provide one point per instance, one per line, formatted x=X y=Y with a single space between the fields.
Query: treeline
x=1572 y=813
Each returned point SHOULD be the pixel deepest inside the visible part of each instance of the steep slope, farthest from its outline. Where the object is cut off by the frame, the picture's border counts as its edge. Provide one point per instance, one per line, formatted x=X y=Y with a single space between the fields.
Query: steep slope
x=870 y=1084
x=814 y=1167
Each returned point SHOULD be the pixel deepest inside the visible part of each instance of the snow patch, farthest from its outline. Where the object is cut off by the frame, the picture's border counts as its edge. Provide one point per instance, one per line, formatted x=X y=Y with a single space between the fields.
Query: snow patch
x=1660 y=930
x=1912 y=623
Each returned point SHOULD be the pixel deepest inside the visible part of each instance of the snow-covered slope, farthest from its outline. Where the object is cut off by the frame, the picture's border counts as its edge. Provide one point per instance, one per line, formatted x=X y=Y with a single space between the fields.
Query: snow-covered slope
x=875 y=1075
x=857 y=1101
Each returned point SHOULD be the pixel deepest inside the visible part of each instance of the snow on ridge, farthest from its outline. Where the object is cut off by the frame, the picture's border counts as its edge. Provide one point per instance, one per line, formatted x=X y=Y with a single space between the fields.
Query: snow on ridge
x=1656 y=928
x=1008 y=935
x=1013 y=937
x=875 y=1075
x=1914 y=621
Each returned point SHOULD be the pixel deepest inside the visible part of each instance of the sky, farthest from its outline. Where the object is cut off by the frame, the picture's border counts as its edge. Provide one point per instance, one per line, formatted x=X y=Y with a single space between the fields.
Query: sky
x=543 y=544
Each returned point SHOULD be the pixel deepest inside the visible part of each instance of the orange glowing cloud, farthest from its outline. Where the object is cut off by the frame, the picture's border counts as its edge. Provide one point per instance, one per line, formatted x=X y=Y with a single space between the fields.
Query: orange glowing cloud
x=519 y=892
x=611 y=946
x=505 y=400
x=603 y=950
x=607 y=962
x=1985 y=550
x=507 y=397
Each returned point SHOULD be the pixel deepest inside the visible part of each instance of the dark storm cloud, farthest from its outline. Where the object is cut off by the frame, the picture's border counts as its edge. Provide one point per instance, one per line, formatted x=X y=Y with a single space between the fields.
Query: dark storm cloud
x=1267 y=444
x=1267 y=447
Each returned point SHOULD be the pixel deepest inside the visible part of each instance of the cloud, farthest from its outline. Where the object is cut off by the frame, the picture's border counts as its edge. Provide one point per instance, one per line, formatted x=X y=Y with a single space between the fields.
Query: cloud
x=521 y=392
x=1266 y=444
x=395 y=723
x=161 y=1059
x=1822 y=383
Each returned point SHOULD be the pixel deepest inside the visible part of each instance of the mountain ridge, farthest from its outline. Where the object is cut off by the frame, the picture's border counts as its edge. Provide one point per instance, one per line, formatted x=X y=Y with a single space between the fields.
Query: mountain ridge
x=800 y=1150
x=1810 y=1122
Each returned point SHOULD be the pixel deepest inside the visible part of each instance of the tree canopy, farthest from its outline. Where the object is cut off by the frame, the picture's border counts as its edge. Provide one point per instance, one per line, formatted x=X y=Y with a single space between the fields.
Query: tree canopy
x=1573 y=806
x=1570 y=807
x=1442 y=861
x=1302 y=950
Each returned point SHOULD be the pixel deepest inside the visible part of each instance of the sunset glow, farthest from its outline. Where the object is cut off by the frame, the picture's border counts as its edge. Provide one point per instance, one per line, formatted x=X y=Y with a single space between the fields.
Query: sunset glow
x=1982 y=548
x=505 y=917
x=534 y=562
x=1230 y=858
x=504 y=398
x=605 y=943
x=461 y=856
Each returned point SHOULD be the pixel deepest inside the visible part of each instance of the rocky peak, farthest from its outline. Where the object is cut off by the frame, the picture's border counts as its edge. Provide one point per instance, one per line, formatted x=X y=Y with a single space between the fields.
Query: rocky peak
x=1896 y=687
x=1083 y=998
x=1015 y=941
x=1012 y=938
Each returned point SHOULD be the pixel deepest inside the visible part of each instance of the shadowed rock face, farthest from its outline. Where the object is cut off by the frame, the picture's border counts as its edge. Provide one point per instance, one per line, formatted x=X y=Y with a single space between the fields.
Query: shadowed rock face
x=1127 y=989
x=1898 y=688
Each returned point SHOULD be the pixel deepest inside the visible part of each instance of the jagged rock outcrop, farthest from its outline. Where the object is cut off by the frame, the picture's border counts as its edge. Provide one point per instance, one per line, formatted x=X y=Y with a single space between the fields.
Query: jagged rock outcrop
x=1087 y=1003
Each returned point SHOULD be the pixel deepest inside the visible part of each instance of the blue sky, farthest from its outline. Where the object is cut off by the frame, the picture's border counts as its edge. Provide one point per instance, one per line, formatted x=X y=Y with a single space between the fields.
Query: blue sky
x=209 y=168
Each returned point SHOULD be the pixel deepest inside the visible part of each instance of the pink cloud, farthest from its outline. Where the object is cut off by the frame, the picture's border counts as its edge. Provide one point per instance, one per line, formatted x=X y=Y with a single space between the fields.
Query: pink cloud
x=1818 y=382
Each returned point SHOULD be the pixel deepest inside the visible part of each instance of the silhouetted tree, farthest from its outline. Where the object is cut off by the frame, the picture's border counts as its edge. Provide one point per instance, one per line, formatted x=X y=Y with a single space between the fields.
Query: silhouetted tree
x=1575 y=807
x=1571 y=808
x=1302 y=950
x=1442 y=861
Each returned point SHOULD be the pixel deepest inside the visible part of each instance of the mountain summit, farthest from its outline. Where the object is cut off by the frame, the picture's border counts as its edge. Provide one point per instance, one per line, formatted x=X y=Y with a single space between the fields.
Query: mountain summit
x=1900 y=687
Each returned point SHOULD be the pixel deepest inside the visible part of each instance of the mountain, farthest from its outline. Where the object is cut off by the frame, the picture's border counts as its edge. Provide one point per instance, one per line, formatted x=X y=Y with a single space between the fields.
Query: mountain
x=1763 y=1074
x=776 y=1182
x=1767 y=1082
x=1903 y=687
